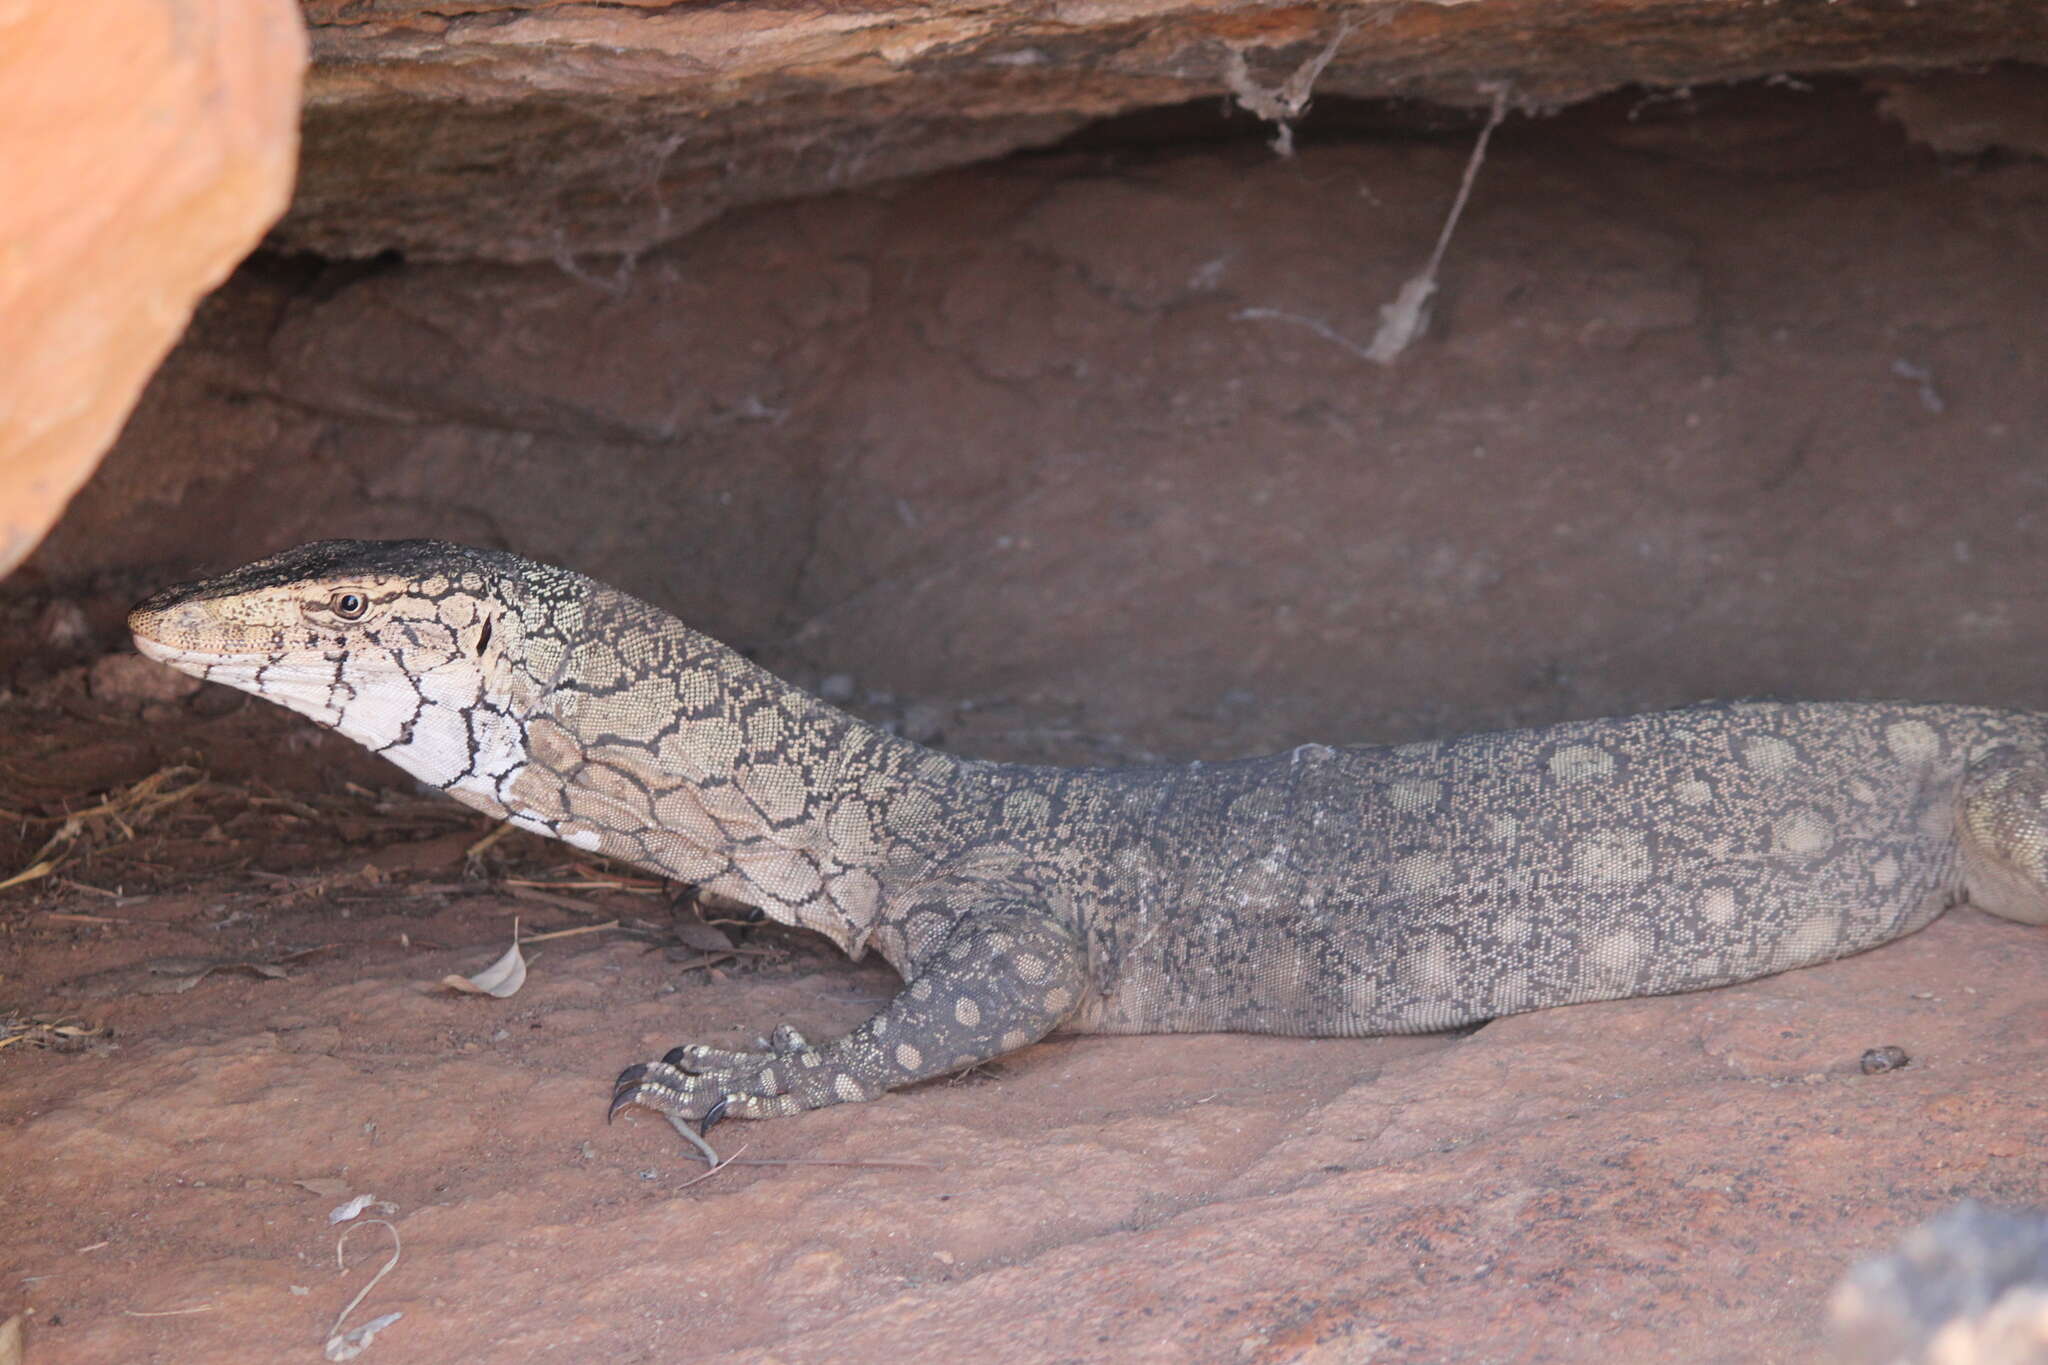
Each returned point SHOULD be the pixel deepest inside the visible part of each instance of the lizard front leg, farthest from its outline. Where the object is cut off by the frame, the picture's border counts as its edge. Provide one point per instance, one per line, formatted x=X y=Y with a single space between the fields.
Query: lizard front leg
x=999 y=981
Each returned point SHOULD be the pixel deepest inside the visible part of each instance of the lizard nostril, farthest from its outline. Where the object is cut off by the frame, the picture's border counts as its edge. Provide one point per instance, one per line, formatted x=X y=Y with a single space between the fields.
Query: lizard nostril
x=162 y=624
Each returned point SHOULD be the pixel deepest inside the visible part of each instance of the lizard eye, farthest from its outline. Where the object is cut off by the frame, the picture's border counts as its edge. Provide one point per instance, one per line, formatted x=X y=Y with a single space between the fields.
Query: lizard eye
x=349 y=606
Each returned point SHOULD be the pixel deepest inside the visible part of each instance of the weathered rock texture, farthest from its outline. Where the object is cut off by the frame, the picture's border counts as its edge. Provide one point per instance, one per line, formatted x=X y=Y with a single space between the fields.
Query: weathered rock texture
x=1724 y=396
x=146 y=145
x=532 y=129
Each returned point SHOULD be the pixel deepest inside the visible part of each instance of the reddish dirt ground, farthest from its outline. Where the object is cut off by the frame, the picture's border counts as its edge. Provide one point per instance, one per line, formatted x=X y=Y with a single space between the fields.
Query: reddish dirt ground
x=1676 y=1179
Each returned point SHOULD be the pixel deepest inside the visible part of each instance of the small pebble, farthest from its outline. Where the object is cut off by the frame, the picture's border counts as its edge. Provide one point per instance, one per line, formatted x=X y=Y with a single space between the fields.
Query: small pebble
x=1880 y=1059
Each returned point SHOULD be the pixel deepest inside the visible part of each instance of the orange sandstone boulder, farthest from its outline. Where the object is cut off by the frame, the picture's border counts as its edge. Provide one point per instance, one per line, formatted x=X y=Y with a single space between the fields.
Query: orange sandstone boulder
x=147 y=144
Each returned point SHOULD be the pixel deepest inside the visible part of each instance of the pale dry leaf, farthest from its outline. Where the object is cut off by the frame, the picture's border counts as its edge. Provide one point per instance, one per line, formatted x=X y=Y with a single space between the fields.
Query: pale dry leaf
x=501 y=979
x=352 y=1209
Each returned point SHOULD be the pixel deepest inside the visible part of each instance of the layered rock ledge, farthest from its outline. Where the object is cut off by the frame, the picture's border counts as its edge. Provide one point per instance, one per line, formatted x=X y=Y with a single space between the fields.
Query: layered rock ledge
x=535 y=129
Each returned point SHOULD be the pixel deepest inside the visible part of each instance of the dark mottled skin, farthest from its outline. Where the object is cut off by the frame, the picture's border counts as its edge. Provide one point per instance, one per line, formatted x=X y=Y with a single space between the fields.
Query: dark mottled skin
x=1321 y=891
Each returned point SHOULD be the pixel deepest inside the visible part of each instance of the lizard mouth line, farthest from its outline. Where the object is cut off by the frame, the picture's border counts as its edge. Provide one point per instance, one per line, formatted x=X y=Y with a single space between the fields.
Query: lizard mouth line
x=151 y=648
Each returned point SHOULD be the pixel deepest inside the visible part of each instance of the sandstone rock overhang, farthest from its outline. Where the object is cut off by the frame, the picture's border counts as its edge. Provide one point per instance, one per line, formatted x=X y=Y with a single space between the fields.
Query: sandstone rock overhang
x=536 y=129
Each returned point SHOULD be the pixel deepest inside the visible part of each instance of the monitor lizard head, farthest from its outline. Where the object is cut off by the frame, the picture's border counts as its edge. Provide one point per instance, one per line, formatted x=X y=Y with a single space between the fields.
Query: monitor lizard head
x=573 y=710
x=428 y=653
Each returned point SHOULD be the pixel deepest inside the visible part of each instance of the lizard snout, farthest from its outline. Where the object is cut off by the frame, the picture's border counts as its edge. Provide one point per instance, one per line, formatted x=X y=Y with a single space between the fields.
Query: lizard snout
x=161 y=628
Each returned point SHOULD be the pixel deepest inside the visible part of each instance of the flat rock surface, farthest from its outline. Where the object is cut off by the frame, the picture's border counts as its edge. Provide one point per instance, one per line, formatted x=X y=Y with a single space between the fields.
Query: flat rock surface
x=1676 y=1179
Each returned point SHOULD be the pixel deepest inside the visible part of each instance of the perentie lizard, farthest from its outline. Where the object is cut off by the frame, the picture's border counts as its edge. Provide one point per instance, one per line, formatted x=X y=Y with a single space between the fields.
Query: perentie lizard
x=1322 y=891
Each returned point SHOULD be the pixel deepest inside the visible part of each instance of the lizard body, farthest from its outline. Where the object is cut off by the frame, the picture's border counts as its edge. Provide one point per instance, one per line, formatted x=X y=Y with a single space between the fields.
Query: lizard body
x=1316 y=892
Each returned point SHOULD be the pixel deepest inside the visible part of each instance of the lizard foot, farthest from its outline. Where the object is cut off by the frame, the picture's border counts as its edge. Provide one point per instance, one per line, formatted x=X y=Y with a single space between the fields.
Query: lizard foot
x=1000 y=980
x=706 y=1083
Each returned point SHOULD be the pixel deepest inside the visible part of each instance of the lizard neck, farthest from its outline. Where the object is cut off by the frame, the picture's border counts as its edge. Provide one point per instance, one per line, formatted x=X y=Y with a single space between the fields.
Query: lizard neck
x=659 y=746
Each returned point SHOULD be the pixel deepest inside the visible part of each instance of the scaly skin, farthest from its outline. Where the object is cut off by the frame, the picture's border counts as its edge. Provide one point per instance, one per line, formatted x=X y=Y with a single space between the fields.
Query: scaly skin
x=1317 y=892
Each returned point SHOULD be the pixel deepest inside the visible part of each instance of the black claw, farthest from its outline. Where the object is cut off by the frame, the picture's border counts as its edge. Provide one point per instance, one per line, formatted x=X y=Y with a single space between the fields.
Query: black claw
x=621 y=1099
x=674 y=1057
x=711 y=1116
x=632 y=1075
